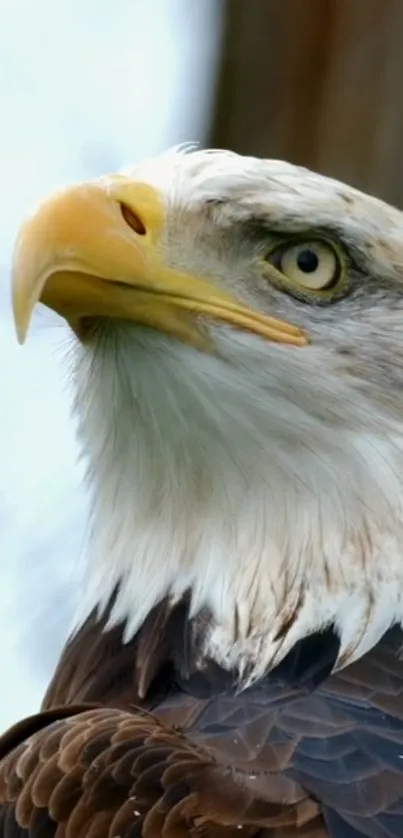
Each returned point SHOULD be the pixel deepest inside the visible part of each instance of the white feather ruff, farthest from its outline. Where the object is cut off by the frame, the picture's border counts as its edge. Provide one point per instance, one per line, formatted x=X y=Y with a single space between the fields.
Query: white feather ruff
x=216 y=476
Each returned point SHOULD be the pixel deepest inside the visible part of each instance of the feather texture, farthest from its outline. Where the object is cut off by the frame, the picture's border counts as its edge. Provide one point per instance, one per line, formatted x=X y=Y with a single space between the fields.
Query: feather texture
x=338 y=738
x=189 y=765
x=106 y=772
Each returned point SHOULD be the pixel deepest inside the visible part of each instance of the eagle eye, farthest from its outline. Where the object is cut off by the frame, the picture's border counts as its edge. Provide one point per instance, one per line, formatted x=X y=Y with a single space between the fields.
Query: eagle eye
x=310 y=266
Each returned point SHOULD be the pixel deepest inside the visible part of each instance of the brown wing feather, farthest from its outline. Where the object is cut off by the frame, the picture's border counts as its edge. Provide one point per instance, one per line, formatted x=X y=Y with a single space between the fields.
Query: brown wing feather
x=341 y=742
x=104 y=773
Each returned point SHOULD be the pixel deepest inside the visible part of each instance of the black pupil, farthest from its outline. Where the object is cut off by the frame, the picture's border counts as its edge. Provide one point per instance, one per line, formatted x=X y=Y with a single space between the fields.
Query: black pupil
x=307 y=261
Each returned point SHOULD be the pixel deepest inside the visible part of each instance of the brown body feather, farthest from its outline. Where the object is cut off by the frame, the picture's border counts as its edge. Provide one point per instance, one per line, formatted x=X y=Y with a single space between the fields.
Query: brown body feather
x=106 y=772
x=280 y=759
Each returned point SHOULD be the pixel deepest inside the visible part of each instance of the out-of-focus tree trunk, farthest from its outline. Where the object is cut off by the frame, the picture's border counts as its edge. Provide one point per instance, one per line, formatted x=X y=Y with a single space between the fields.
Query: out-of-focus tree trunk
x=319 y=82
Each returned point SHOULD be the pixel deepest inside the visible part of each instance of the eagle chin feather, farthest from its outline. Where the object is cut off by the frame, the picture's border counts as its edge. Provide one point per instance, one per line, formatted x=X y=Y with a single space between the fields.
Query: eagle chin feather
x=214 y=475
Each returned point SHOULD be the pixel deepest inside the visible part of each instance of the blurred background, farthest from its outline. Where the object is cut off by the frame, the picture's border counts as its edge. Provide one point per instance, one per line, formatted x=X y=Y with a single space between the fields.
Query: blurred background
x=87 y=87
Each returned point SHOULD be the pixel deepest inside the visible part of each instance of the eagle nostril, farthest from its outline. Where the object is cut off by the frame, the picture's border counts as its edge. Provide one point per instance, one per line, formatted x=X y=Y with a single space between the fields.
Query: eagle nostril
x=133 y=220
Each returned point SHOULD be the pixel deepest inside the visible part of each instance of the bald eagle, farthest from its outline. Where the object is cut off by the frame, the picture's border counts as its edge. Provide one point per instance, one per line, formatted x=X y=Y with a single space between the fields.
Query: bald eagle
x=236 y=666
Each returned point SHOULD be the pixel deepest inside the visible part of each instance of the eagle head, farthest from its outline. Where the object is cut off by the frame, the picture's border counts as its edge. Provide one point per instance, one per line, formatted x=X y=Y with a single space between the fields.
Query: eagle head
x=238 y=375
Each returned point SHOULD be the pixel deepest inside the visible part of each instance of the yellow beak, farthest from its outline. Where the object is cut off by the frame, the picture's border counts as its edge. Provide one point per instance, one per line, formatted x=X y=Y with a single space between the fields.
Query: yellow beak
x=94 y=250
